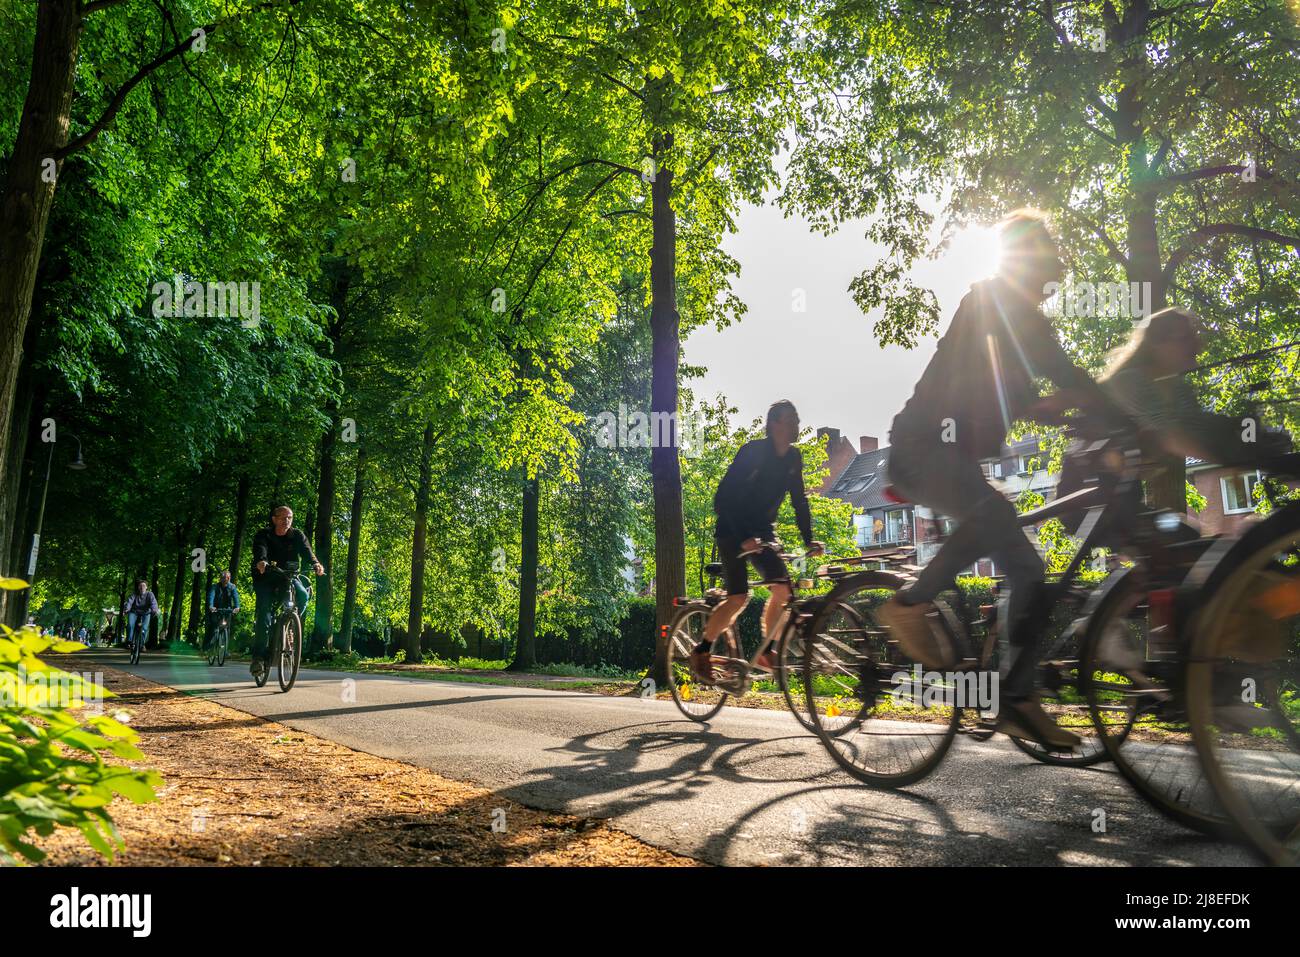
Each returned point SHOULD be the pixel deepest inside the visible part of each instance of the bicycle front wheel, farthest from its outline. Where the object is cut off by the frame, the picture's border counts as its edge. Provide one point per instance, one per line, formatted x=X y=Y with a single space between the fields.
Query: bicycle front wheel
x=902 y=722
x=290 y=627
x=1132 y=676
x=136 y=644
x=1243 y=686
x=790 y=677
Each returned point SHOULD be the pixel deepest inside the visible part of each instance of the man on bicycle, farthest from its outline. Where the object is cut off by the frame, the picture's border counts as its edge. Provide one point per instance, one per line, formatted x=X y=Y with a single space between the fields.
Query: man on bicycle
x=223 y=599
x=980 y=381
x=141 y=607
x=763 y=472
x=281 y=543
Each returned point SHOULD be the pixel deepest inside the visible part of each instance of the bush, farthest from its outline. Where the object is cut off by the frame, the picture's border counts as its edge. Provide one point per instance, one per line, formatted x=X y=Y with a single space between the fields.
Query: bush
x=52 y=770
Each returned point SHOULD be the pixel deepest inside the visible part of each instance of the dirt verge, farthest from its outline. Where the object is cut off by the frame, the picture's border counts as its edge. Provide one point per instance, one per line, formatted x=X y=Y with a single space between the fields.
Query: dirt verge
x=240 y=790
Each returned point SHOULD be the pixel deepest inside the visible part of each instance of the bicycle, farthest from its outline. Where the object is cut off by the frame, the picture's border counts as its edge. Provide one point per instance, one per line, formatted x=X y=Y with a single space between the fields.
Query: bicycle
x=285 y=640
x=910 y=714
x=135 y=641
x=219 y=643
x=734 y=673
x=1242 y=677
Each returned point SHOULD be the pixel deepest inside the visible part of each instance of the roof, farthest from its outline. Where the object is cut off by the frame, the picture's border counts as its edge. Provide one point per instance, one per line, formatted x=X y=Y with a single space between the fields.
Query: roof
x=864 y=480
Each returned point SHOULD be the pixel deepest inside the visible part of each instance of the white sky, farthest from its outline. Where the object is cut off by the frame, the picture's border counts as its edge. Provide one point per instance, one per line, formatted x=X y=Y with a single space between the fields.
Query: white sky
x=825 y=360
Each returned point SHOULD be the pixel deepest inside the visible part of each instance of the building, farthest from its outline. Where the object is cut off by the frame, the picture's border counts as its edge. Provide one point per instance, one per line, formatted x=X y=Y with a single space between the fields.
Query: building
x=1229 y=495
x=899 y=533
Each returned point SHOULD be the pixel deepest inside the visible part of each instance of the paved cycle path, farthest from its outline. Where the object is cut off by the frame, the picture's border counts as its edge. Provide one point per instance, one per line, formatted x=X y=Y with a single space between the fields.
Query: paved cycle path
x=750 y=787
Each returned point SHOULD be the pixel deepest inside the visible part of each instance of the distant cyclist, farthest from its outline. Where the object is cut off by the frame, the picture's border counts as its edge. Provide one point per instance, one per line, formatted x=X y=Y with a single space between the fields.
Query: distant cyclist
x=142 y=606
x=281 y=543
x=749 y=496
x=981 y=380
x=223 y=598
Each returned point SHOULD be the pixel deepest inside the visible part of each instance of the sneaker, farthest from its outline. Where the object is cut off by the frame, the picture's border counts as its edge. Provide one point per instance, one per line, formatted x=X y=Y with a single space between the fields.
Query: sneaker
x=257 y=668
x=1028 y=721
x=702 y=666
x=767 y=661
x=909 y=626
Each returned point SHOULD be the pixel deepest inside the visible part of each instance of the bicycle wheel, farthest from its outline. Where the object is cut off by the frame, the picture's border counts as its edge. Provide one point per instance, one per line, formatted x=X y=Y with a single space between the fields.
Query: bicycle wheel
x=790 y=678
x=905 y=721
x=273 y=652
x=223 y=646
x=696 y=700
x=290 y=628
x=137 y=642
x=1243 y=686
x=1133 y=681
x=213 y=644
x=1062 y=697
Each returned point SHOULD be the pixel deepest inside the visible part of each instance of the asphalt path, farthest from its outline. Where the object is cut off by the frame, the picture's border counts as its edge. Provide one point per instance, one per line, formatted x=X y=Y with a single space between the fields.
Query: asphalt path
x=749 y=787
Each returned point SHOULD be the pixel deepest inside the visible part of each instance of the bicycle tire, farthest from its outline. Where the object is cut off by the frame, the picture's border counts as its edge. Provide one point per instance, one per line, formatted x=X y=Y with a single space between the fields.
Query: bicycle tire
x=1225 y=581
x=790 y=652
x=865 y=661
x=290 y=652
x=695 y=701
x=1164 y=767
x=225 y=647
x=137 y=643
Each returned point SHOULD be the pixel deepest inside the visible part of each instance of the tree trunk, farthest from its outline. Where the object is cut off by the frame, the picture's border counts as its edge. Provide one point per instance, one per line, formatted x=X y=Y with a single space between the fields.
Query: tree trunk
x=525 y=647
x=354 y=552
x=241 y=523
x=415 y=614
x=29 y=192
x=174 y=611
x=128 y=585
x=323 y=633
x=665 y=467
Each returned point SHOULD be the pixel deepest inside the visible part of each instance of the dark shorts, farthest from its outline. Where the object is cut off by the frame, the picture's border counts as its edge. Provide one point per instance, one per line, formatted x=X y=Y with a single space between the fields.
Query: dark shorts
x=771 y=569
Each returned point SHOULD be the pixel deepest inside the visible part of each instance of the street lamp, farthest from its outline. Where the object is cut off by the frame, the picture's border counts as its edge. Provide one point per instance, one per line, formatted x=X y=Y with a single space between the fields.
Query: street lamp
x=76 y=464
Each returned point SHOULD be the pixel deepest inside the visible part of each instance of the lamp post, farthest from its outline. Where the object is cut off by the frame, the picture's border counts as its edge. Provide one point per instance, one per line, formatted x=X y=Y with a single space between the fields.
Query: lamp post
x=76 y=464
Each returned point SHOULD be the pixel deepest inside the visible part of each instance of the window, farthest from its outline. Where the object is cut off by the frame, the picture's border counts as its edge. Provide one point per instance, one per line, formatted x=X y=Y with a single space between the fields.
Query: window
x=992 y=470
x=1238 y=492
x=1027 y=463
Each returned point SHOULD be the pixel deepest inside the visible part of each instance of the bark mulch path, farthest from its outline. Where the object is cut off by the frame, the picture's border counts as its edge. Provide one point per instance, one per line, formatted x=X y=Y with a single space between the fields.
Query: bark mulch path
x=240 y=790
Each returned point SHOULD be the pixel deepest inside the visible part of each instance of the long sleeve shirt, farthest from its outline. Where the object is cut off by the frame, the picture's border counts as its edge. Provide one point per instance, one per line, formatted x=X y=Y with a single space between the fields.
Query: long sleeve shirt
x=141 y=604
x=750 y=494
x=223 y=596
x=281 y=549
x=982 y=376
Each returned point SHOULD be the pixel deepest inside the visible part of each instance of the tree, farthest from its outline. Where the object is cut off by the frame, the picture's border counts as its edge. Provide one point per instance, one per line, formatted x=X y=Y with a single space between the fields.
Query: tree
x=1159 y=134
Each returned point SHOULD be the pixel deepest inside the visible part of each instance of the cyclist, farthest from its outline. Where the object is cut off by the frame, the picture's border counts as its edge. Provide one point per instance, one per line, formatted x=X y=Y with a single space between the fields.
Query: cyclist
x=281 y=543
x=223 y=597
x=980 y=381
x=762 y=474
x=141 y=606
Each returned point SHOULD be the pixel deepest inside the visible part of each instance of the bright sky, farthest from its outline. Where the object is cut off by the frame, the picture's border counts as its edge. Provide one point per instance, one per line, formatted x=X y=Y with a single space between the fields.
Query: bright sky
x=825 y=360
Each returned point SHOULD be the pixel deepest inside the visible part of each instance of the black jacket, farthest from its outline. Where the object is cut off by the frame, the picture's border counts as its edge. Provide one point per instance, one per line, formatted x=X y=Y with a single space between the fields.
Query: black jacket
x=281 y=549
x=981 y=378
x=750 y=494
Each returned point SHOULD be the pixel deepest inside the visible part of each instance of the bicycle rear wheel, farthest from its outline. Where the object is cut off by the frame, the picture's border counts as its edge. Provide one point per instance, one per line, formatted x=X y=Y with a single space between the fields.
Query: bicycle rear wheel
x=1243 y=686
x=1133 y=680
x=290 y=628
x=697 y=700
x=902 y=727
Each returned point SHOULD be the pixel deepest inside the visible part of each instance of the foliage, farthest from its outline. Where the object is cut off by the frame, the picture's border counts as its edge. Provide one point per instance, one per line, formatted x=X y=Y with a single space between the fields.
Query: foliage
x=52 y=767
